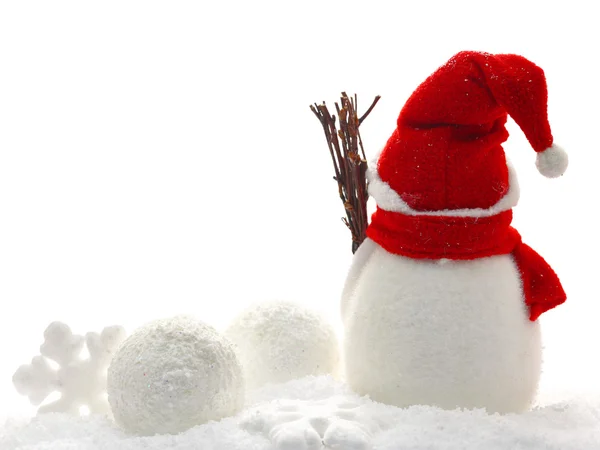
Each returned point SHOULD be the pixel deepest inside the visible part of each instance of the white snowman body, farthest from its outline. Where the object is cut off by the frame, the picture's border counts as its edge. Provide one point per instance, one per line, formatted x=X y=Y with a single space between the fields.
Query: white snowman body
x=443 y=332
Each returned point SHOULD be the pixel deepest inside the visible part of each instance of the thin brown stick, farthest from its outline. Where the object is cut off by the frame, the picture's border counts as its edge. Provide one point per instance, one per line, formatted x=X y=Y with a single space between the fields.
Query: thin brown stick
x=350 y=166
x=364 y=116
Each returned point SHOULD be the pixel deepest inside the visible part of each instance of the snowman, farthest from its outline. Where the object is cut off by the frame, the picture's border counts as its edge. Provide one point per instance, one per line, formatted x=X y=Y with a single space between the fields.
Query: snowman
x=441 y=302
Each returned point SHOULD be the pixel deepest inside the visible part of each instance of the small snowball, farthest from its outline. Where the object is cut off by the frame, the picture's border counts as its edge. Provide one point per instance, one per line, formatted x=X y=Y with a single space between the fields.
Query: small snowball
x=280 y=341
x=173 y=374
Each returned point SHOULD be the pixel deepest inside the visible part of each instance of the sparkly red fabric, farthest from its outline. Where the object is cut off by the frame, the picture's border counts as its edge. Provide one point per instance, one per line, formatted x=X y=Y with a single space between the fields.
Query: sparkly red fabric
x=465 y=238
x=446 y=151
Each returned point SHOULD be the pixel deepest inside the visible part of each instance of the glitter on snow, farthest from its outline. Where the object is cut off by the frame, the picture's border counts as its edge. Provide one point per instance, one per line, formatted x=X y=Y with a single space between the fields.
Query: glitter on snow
x=318 y=413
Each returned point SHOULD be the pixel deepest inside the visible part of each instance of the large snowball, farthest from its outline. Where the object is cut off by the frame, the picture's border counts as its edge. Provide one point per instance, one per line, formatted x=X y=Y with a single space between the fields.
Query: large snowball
x=281 y=341
x=173 y=374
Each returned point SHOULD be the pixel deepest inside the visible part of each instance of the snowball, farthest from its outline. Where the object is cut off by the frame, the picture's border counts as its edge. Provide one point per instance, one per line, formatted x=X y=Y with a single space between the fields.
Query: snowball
x=173 y=374
x=281 y=341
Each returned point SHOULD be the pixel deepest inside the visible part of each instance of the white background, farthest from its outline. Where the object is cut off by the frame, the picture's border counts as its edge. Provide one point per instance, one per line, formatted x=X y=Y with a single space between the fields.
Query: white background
x=160 y=157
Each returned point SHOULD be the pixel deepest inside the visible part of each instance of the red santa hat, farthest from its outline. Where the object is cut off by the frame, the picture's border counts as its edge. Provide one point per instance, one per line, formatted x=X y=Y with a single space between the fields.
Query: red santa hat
x=446 y=154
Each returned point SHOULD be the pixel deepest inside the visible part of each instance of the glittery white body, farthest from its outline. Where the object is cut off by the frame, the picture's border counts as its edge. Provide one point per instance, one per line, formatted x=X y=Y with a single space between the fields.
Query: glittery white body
x=173 y=374
x=444 y=333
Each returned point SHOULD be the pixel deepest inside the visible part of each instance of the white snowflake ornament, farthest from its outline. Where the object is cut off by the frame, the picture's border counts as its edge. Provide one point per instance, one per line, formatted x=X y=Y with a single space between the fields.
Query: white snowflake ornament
x=80 y=381
x=333 y=424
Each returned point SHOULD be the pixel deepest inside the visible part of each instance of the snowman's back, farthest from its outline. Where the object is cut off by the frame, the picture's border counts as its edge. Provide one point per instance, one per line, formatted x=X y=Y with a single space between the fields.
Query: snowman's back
x=452 y=334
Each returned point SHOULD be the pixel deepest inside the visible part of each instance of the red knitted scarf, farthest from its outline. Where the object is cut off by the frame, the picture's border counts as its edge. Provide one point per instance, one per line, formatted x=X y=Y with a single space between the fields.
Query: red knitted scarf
x=437 y=237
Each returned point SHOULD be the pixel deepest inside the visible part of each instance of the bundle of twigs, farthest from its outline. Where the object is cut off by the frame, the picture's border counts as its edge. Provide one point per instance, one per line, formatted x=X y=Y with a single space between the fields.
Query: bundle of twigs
x=350 y=165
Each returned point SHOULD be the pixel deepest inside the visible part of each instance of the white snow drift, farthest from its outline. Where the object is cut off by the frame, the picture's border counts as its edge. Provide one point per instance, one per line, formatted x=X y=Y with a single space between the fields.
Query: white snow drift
x=316 y=412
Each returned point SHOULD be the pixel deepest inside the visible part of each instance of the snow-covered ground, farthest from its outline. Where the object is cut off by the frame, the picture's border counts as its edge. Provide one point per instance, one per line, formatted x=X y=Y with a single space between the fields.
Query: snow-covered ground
x=320 y=413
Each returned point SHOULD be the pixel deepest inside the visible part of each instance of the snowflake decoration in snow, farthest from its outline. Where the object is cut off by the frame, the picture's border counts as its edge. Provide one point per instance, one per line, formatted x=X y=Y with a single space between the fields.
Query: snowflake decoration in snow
x=80 y=381
x=335 y=423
